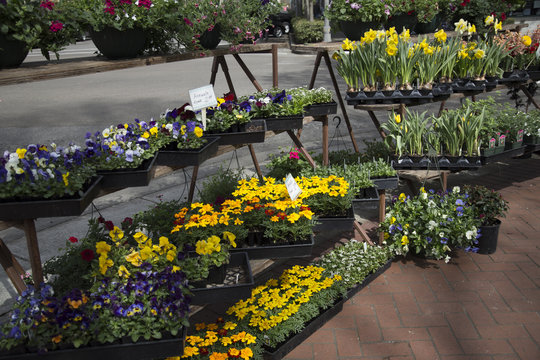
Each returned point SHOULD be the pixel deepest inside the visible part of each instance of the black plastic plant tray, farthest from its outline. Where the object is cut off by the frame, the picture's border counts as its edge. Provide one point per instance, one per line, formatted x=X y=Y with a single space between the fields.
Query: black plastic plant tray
x=468 y=87
x=534 y=75
x=33 y=209
x=368 y=279
x=278 y=251
x=515 y=78
x=321 y=109
x=335 y=223
x=439 y=162
x=385 y=183
x=396 y=97
x=188 y=157
x=278 y=123
x=313 y=325
x=130 y=351
x=507 y=154
x=254 y=133
x=124 y=178
x=238 y=283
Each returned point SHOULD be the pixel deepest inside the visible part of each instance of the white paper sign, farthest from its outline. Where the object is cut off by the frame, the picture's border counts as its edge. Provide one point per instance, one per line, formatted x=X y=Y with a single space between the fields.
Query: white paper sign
x=292 y=187
x=202 y=97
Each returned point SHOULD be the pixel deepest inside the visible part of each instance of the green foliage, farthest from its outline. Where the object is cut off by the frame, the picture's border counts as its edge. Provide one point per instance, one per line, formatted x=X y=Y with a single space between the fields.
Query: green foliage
x=306 y=31
x=220 y=186
x=370 y=10
x=158 y=221
x=291 y=162
x=487 y=204
x=354 y=261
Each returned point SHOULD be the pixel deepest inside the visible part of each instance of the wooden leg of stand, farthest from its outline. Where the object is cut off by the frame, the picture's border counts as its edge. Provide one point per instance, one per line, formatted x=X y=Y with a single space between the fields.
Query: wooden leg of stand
x=193 y=182
x=33 y=251
x=382 y=211
x=324 y=120
x=225 y=69
x=315 y=69
x=274 y=65
x=213 y=74
x=441 y=108
x=529 y=96
x=444 y=175
x=255 y=161
x=300 y=147
x=12 y=267
x=362 y=233
x=340 y=99
x=377 y=124
x=248 y=73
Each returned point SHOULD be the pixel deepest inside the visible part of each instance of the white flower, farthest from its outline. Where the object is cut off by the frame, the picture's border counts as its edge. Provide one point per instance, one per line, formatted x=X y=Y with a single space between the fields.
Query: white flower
x=117 y=18
x=456 y=189
x=431 y=224
x=441 y=234
x=424 y=196
x=470 y=234
x=105 y=132
x=431 y=204
x=169 y=127
x=134 y=18
x=447 y=259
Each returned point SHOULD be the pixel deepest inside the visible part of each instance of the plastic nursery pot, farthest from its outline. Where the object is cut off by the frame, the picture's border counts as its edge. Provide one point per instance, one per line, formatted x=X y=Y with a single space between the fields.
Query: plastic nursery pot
x=487 y=242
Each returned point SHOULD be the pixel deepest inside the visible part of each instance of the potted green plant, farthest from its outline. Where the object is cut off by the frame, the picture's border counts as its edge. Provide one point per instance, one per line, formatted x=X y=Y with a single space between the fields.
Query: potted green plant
x=28 y=24
x=355 y=18
x=488 y=207
x=287 y=162
x=125 y=28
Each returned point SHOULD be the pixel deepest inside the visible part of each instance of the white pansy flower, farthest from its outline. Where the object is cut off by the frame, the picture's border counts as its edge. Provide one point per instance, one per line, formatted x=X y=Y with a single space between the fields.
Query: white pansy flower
x=456 y=189
x=447 y=259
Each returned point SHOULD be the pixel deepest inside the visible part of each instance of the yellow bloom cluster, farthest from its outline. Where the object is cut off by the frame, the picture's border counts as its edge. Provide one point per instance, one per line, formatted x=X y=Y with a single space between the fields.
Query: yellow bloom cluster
x=278 y=300
x=147 y=251
x=218 y=341
x=103 y=249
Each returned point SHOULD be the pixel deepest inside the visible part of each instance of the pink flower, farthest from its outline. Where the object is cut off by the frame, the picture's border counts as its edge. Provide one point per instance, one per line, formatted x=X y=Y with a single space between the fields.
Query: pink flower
x=294 y=155
x=188 y=23
x=56 y=26
x=47 y=5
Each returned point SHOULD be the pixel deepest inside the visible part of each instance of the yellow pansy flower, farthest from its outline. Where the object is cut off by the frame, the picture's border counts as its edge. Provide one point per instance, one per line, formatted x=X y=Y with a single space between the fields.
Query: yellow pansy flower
x=123 y=271
x=404 y=240
x=102 y=247
x=21 y=153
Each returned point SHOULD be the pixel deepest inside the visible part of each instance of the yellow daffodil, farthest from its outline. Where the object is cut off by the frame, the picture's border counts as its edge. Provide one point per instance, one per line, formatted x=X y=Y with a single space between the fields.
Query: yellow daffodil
x=391 y=50
x=490 y=19
x=498 y=25
x=479 y=53
x=441 y=36
x=348 y=45
x=461 y=26
x=336 y=56
x=397 y=118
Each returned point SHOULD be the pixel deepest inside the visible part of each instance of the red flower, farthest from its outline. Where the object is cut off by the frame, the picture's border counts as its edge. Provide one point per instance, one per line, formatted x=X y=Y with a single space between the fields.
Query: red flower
x=222 y=332
x=503 y=16
x=229 y=96
x=47 y=5
x=109 y=225
x=73 y=239
x=203 y=351
x=87 y=255
x=56 y=26
x=101 y=220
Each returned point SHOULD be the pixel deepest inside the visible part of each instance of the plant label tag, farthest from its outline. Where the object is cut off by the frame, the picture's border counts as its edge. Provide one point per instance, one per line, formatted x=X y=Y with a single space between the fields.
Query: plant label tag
x=520 y=136
x=502 y=140
x=492 y=143
x=292 y=187
x=202 y=97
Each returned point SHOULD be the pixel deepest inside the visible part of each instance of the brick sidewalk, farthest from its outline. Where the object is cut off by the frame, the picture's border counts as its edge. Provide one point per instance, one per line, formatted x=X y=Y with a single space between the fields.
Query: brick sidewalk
x=477 y=307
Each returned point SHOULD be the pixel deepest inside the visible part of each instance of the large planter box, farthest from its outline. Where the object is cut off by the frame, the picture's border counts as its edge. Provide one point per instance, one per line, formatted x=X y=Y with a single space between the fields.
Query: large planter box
x=188 y=157
x=254 y=132
x=281 y=123
x=237 y=284
x=130 y=351
x=353 y=291
x=33 y=209
x=321 y=109
x=124 y=178
x=313 y=325
x=335 y=224
x=278 y=251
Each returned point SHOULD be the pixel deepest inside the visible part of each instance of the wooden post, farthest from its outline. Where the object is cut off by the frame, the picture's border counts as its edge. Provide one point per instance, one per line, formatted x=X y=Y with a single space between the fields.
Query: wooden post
x=444 y=175
x=315 y=69
x=382 y=211
x=340 y=99
x=324 y=120
x=362 y=233
x=274 y=66
x=247 y=72
x=193 y=182
x=33 y=251
x=12 y=267
x=214 y=70
x=225 y=68
x=255 y=161
x=301 y=148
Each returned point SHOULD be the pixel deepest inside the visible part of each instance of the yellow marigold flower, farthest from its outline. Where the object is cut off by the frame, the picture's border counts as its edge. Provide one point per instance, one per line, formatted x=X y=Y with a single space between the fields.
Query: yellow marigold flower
x=274 y=218
x=191 y=351
x=218 y=356
x=526 y=40
x=234 y=352
x=225 y=341
x=237 y=221
x=56 y=339
x=200 y=326
x=440 y=36
x=198 y=131
x=404 y=240
x=211 y=327
x=123 y=271
x=293 y=217
x=102 y=247
x=229 y=325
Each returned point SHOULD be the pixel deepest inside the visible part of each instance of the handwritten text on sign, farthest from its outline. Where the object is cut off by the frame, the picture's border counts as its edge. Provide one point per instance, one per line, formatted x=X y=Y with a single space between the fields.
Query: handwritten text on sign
x=202 y=97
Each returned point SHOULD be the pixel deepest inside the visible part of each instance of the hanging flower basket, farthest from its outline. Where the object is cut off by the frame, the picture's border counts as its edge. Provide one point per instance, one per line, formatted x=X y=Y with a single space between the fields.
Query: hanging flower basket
x=116 y=44
x=12 y=52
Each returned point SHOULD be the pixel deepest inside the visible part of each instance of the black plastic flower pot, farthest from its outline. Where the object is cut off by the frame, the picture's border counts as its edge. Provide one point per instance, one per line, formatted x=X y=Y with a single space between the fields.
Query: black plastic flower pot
x=174 y=157
x=38 y=208
x=210 y=39
x=12 y=52
x=487 y=242
x=116 y=44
